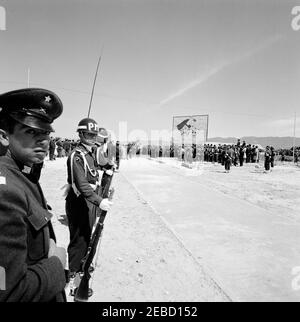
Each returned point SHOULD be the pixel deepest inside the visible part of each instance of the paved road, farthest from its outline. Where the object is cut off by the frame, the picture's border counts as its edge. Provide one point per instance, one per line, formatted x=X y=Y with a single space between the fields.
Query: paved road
x=249 y=251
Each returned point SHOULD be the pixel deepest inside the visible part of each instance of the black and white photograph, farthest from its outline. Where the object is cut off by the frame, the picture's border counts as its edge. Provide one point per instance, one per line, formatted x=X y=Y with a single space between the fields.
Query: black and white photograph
x=149 y=153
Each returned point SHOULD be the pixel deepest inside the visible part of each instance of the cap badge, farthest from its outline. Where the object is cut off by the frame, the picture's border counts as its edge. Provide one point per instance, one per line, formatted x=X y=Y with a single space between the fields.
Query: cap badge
x=47 y=99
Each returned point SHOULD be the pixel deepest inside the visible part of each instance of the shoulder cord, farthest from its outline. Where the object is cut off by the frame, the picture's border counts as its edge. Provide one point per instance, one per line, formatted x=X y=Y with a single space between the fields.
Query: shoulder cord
x=86 y=167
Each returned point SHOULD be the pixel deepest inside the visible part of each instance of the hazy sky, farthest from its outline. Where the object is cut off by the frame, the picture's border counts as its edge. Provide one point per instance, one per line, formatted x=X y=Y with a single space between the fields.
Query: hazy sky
x=237 y=61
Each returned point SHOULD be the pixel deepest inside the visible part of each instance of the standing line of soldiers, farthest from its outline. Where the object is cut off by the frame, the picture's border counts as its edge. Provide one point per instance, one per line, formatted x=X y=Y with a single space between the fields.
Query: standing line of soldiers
x=32 y=267
x=240 y=153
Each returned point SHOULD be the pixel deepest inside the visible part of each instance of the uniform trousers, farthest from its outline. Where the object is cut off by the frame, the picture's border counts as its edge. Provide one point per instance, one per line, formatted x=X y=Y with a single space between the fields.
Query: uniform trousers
x=81 y=218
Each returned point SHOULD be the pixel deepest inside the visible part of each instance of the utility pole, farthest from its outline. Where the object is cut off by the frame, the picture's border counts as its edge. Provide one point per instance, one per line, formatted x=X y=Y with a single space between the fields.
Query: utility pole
x=294 y=139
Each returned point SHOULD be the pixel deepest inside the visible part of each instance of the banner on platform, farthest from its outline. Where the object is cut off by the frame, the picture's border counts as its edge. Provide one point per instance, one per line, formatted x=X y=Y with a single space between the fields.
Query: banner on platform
x=189 y=130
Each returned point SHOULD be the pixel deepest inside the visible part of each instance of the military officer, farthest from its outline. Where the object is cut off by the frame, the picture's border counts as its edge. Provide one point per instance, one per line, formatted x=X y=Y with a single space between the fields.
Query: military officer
x=82 y=197
x=32 y=265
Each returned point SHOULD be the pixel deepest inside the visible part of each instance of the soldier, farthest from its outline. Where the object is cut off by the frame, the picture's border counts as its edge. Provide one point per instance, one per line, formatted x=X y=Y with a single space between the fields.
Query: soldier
x=52 y=146
x=59 y=148
x=228 y=157
x=241 y=156
x=104 y=156
x=103 y=160
x=82 y=197
x=67 y=147
x=33 y=264
x=267 y=159
x=118 y=155
x=272 y=159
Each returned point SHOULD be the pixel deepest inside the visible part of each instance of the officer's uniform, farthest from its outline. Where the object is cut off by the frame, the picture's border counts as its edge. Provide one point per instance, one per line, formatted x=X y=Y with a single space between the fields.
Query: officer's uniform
x=25 y=227
x=82 y=202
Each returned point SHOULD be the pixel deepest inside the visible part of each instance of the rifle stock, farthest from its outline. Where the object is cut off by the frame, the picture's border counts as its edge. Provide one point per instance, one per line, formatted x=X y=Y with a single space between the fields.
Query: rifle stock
x=82 y=293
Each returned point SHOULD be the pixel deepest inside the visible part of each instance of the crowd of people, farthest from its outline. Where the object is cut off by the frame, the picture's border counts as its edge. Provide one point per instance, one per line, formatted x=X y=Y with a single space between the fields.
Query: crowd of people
x=238 y=154
x=61 y=147
x=225 y=154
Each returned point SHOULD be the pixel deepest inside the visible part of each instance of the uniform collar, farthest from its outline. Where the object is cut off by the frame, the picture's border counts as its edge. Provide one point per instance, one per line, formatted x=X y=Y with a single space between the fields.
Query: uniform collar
x=9 y=161
x=87 y=147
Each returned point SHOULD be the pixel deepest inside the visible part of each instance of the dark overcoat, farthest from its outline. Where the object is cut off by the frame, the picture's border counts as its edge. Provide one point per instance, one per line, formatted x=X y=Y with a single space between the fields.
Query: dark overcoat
x=25 y=232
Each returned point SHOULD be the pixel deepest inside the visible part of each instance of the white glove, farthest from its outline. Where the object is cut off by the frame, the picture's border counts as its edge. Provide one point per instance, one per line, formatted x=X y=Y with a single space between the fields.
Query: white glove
x=105 y=204
x=109 y=172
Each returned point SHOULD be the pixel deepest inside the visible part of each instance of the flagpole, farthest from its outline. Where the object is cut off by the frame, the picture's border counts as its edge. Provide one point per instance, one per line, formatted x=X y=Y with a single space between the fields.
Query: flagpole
x=95 y=78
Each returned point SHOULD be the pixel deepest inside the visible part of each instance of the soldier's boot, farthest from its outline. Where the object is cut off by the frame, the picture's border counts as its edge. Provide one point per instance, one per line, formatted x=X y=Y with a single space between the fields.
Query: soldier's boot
x=74 y=282
x=75 y=279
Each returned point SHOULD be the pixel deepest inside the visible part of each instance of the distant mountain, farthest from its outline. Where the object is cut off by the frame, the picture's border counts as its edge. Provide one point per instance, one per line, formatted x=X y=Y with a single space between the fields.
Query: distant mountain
x=285 y=142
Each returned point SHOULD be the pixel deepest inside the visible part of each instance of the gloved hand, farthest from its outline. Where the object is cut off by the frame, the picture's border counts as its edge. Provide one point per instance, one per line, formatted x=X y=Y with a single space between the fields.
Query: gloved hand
x=105 y=204
x=109 y=172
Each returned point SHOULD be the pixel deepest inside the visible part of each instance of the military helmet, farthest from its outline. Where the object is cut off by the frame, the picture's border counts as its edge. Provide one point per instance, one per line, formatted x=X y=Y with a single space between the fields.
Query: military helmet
x=88 y=125
x=102 y=135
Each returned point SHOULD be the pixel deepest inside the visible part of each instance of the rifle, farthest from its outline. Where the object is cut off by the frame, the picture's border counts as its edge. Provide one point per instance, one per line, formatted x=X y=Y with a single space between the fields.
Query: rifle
x=82 y=293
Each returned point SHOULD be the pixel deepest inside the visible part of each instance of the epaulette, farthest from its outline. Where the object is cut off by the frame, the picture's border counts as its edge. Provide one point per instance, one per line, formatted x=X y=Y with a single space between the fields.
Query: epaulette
x=80 y=152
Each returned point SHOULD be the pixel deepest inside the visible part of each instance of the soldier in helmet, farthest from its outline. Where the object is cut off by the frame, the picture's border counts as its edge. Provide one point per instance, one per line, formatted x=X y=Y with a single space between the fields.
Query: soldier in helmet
x=82 y=198
x=31 y=264
x=104 y=157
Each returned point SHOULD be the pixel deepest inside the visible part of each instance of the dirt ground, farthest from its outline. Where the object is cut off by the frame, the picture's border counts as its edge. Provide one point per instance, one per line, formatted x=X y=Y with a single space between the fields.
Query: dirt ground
x=277 y=191
x=139 y=258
